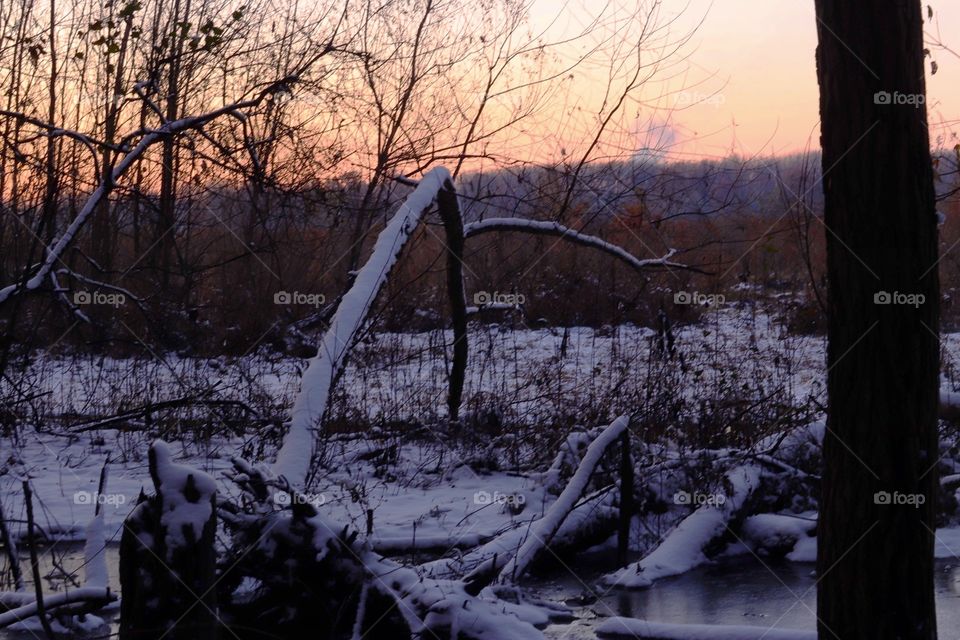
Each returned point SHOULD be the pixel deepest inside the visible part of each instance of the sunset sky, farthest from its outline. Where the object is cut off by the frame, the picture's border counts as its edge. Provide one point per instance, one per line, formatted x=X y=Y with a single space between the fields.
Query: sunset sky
x=748 y=85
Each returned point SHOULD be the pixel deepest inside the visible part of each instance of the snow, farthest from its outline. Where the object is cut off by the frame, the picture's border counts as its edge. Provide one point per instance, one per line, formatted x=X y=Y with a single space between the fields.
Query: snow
x=768 y=531
x=54 y=600
x=94 y=552
x=682 y=549
x=541 y=531
x=555 y=228
x=618 y=627
x=181 y=514
x=293 y=460
x=414 y=506
x=449 y=607
x=806 y=550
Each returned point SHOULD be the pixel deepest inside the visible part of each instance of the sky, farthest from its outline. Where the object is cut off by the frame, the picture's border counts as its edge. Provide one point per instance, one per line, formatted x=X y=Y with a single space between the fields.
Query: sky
x=748 y=85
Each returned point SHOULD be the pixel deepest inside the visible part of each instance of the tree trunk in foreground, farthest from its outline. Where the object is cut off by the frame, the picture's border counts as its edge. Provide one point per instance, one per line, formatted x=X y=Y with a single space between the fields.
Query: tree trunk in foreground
x=875 y=561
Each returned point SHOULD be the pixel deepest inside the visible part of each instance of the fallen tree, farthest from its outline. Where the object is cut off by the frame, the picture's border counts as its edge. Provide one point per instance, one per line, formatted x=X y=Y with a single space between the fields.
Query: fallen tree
x=293 y=459
x=92 y=599
x=334 y=585
x=684 y=547
x=541 y=532
x=296 y=452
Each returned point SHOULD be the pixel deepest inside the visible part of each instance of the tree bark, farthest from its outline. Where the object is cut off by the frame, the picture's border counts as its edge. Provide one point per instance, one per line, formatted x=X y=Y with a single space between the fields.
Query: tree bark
x=453 y=225
x=875 y=558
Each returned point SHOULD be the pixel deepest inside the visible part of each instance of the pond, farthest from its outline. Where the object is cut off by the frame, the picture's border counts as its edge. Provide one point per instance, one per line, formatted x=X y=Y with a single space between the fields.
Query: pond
x=734 y=591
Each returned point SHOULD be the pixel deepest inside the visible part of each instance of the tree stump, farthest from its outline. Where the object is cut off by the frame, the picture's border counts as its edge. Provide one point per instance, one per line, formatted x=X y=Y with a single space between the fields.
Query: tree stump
x=167 y=556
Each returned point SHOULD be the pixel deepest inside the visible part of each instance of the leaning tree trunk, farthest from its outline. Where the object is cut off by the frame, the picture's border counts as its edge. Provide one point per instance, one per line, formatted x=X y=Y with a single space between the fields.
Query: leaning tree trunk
x=453 y=226
x=875 y=543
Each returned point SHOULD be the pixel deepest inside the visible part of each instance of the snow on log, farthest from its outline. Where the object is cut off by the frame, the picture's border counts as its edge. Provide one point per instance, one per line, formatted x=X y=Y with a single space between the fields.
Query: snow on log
x=682 y=549
x=556 y=229
x=92 y=595
x=446 y=609
x=594 y=518
x=94 y=553
x=293 y=459
x=618 y=627
x=95 y=543
x=540 y=532
x=775 y=534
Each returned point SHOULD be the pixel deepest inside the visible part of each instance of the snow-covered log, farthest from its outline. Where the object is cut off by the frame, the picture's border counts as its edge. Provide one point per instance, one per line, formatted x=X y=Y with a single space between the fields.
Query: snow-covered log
x=95 y=543
x=96 y=597
x=541 y=531
x=334 y=585
x=774 y=534
x=683 y=548
x=571 y=517
x=541 y=227
x=618 y=627
x=293 y=460
x=446 y=609
x=590 y=522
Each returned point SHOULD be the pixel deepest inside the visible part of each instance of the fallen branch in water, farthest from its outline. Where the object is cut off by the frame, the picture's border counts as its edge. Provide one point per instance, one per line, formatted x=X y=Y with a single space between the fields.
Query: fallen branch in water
x=95 y=597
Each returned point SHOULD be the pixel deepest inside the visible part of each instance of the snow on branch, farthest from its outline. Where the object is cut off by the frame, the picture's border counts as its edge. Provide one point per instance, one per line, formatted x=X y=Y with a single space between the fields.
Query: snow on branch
x=683 y=548
x=105 y=187
x=542 y=531
x=293 y=460
x=95 y=596
x=566 y=233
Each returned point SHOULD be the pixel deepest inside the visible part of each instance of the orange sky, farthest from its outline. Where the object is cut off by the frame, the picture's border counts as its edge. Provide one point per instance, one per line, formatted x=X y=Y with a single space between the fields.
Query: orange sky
x=751 y=76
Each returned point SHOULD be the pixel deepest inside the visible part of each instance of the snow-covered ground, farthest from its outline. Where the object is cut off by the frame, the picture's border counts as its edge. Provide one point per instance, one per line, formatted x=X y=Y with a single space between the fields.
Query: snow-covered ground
x=417 y=496
x=526 y=375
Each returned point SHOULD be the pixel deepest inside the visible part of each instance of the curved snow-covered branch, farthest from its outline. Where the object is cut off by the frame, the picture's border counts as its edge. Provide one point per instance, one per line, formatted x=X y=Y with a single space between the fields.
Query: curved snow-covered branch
x=572 y=235
x=95 y=595
x=542 y=530
x=683 y=547
x=293 y=460
x=105 y=187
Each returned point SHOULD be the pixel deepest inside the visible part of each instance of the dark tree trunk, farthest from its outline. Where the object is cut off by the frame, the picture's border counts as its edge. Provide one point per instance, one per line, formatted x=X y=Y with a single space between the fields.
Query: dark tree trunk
x=875 y=559
x=453 y=226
